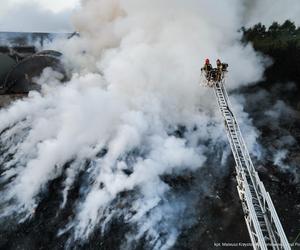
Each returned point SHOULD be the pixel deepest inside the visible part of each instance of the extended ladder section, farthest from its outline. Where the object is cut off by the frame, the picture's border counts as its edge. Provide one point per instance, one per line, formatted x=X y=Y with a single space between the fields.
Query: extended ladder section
x=261 y=218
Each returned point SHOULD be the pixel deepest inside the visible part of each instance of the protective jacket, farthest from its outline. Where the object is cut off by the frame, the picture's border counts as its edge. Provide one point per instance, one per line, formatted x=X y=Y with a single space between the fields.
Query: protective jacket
x=207 y=67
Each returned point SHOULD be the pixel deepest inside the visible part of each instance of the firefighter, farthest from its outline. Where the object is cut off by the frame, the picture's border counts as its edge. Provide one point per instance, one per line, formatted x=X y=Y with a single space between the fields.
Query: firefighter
x=219 y=64
x=207 y=69
x=219 y=70
x=222 y=68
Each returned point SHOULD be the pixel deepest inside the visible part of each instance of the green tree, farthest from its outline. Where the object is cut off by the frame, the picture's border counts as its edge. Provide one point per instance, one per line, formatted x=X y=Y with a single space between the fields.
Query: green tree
x=288 y=27
x=259 y=29
x=274 y=29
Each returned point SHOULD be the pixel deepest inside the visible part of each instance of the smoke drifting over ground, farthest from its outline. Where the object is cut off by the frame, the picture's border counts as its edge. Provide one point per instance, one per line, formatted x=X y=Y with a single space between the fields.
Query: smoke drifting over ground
x=116 y=125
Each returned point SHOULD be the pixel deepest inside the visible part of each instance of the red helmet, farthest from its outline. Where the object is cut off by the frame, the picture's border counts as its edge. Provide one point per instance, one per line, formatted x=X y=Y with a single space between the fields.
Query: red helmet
x=206 y=60
x=218 y=61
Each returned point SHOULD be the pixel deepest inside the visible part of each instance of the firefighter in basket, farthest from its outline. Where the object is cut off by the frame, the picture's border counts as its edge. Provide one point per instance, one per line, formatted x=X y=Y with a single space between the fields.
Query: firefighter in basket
x=221 y=70
x=207 y=69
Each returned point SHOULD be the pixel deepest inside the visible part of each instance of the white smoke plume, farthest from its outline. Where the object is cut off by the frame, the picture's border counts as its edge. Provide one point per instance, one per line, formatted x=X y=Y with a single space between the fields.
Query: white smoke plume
x=134 y=79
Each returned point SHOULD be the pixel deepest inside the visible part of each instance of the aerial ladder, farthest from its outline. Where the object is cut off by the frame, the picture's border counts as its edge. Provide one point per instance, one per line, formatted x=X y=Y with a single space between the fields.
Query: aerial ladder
x=262 y=221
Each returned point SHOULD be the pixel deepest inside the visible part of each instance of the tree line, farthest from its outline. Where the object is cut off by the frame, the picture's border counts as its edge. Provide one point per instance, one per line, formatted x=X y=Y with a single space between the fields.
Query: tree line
x=282 y=44
x=276 y=35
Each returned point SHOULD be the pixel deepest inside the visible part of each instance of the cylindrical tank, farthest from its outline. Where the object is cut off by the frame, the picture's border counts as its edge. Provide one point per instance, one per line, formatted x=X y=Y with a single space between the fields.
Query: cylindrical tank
x=6 y=65
x=21 y=77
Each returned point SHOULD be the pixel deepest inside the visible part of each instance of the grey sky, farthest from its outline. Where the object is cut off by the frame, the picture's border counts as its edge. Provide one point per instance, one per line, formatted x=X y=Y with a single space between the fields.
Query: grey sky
x=54 y=15
x=36 y=15
x=53 y=5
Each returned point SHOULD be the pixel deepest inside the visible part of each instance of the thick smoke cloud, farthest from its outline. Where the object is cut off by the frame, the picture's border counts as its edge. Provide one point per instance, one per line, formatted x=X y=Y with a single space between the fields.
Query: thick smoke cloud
x=135 y=73
x=181 y=34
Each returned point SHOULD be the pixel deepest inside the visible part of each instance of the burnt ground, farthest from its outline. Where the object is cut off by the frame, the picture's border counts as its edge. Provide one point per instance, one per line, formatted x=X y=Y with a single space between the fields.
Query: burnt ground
x=218 y=216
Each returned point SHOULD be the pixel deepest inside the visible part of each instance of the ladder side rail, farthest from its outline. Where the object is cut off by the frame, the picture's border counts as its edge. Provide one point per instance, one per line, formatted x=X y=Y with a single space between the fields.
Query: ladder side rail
x=274 y=217
x=248 y=196
x=234 y=149
x=229 y=133
x=266 y=201
x=247 y=155
x=247 y=217
x=252 y=222
x=241 y=140
x=245 y=151
x=252 y=215
x=253 y=218
x=230 y=136
x=271 y=213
